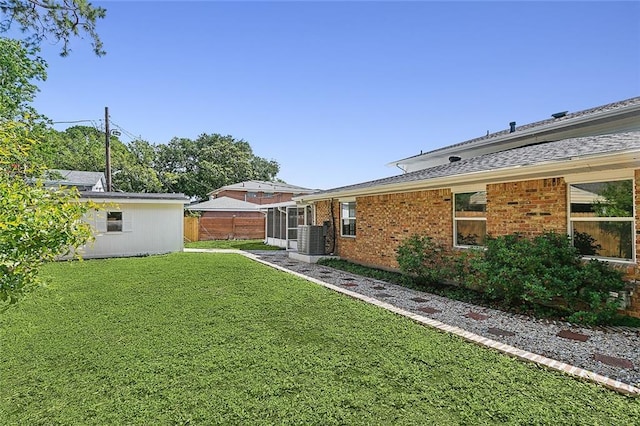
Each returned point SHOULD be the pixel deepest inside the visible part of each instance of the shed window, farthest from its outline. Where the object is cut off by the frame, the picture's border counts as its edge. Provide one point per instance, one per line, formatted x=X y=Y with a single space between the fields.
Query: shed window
x=470 y=218
x=114 y=221
x=601 y=219
x=348 y=219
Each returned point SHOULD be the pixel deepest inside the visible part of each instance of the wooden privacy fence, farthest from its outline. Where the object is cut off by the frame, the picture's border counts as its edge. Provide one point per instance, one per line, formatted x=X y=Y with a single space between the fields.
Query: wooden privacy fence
x=223 y=228
x=191 y=229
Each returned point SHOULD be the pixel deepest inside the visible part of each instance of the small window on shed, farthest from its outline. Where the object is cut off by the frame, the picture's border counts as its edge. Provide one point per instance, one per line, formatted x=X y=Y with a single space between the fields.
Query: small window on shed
x=114 y=221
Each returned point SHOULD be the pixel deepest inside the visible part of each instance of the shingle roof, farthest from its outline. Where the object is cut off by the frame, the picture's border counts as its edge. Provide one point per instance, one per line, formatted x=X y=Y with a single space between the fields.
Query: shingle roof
x=134 y=196
x=524 y=156
x=259 y=185
x=224 y=204
x=77 y=177
x=568 y=117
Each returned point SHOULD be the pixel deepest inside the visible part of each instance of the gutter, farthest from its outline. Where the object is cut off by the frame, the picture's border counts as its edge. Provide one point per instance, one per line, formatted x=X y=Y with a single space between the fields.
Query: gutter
x=597 y=162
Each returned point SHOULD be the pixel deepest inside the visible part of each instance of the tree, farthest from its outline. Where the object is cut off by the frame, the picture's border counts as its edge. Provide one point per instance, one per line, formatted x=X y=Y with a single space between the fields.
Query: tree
x=134 y=168
x=82 y=148
x=37 y=224
x=19 y=67
x=195 y=167
x=58 y=19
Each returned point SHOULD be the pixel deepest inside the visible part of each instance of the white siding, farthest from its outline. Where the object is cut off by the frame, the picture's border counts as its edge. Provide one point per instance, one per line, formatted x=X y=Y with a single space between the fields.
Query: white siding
x=148 y=228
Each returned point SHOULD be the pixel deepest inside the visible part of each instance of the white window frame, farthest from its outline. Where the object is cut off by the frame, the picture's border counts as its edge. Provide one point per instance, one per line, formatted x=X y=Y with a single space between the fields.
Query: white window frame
x=612 y=177
x=342 y=218
x=456 y=219
x=121 y=221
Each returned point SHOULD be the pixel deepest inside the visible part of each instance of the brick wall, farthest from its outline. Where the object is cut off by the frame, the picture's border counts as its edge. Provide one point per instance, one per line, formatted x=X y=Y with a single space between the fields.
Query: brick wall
x=323 y=214
x=529 y=207
x=634 y=309
x=383 y=221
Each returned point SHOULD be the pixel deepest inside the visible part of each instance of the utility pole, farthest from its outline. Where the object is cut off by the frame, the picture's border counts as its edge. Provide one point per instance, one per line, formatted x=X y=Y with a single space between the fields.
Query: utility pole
x=107 y=148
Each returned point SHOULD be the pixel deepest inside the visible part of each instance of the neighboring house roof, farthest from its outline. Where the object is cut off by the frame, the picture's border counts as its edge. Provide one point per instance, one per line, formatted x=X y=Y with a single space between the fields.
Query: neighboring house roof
x=77 y=178
x=224 y=204
x=615 y=117
x=263 y=186
x=290 y=203
x=557 y=154
x=135 y=196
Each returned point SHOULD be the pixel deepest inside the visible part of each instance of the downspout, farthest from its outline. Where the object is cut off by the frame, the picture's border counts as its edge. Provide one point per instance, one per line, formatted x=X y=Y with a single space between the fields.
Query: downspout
x=333 y=227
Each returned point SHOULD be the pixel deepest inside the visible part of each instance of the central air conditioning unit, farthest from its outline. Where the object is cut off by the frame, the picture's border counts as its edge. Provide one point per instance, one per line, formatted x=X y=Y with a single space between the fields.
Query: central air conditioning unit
x=311 y=239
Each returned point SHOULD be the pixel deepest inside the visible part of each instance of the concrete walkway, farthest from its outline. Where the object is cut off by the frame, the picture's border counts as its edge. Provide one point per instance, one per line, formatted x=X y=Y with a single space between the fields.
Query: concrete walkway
x=609 y=356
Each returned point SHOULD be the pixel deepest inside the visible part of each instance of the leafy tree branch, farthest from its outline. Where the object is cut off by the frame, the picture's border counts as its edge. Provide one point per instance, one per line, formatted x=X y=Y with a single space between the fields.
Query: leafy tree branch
x=60 y=20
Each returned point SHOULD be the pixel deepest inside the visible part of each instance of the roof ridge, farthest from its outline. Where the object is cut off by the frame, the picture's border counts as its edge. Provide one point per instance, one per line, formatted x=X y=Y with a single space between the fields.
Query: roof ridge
x=567 y=116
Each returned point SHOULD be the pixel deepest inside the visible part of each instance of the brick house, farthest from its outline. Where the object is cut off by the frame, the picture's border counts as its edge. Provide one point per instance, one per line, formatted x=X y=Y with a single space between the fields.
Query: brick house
x=249 y=210
x=553 y=175
x=260 y=192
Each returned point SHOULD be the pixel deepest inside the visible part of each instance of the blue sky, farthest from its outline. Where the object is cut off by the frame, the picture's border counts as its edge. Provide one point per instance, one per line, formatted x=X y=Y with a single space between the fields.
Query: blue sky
x=334 y=91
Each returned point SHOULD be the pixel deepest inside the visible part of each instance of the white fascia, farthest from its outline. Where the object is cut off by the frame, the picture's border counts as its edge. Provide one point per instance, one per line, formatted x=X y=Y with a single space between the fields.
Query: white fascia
x=519 y=134
x=583 y=164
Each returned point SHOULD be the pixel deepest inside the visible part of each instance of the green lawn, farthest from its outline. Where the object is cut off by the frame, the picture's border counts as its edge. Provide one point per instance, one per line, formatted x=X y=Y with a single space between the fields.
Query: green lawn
x=199 y=338
x=232 y=244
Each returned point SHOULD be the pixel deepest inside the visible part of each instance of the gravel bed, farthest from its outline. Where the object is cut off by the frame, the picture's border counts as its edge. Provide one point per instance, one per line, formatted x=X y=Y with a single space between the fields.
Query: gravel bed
x=533 y=335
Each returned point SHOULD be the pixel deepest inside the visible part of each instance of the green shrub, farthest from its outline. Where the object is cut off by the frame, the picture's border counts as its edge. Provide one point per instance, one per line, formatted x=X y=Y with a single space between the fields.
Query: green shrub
x=548 y=270
x=540 y=272
x=466 y=268
x=423 y=259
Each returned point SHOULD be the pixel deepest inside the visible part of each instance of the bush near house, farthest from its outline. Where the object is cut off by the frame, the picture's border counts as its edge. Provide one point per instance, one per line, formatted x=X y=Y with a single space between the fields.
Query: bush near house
x=423 y=259
x=542 y=271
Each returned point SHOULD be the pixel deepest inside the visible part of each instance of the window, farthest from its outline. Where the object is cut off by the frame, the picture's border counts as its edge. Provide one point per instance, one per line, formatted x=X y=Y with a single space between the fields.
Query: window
x=252 y=194
x=267 y=195
x=601 y=218
x=114 y=221
x=470 y=218
x=348 y=218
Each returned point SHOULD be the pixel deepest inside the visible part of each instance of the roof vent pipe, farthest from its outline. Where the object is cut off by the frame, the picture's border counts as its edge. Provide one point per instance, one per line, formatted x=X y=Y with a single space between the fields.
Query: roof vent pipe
x=512 y=127
x=454 y=158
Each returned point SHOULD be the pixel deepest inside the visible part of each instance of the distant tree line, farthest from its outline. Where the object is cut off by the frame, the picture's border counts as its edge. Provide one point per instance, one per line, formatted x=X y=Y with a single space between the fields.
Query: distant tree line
x=193 y=167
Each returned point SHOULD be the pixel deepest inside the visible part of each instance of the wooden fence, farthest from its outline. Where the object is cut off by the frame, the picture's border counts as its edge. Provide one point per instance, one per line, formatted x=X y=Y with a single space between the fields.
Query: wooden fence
x=223 y=228
x=191 y=229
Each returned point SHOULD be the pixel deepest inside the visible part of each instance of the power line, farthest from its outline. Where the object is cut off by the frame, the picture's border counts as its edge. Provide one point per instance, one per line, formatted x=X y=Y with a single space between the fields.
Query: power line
x=71 y=122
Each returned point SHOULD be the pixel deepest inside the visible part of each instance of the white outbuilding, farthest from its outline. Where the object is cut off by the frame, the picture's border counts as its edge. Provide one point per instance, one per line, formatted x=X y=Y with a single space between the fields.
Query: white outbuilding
x=134 y=224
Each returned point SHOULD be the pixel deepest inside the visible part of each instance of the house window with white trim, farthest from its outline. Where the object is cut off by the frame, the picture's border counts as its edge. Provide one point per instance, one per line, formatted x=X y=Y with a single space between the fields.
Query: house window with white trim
x=114 y=221
x=601 y=219
x=348 y=219
x=470 y=219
